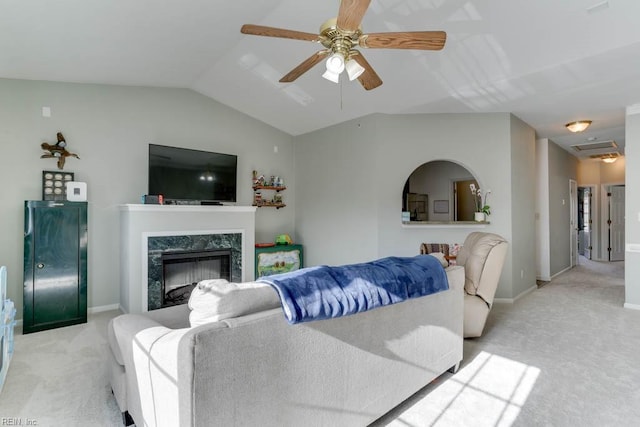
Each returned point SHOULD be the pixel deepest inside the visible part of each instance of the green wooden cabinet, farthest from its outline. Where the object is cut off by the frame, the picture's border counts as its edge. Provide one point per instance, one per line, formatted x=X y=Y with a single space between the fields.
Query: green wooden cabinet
x=55 y=264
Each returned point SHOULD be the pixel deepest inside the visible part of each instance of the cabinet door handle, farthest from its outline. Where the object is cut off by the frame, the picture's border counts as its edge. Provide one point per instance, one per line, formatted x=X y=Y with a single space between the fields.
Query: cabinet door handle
x=40 y=265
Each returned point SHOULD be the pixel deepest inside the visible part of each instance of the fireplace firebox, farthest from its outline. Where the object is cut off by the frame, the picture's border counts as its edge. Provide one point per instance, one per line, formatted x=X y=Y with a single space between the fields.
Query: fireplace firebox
x=182 y=270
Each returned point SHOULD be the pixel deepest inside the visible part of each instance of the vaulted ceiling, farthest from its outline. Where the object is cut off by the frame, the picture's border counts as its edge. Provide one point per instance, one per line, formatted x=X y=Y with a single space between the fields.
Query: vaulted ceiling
x=548 y=62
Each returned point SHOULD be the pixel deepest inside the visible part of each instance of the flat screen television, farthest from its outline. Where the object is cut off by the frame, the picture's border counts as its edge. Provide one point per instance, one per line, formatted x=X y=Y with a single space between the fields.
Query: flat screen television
x=192 y=176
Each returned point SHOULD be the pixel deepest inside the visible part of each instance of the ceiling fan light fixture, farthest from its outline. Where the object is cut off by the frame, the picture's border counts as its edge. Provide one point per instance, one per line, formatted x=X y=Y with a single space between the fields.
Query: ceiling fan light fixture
x=578 y=126
x=335 y=63
x=609 y=159
x=331 y=76
x=354 y=70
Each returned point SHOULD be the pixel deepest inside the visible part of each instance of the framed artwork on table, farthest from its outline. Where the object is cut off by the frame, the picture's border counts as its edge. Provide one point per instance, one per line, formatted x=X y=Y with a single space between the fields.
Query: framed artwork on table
x=440 y=206
x=277 y=259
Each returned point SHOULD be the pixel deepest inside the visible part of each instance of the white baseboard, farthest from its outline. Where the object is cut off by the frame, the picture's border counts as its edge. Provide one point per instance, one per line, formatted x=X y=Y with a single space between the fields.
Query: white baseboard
x=543 y=278
x=512 y=300
x=102 y=308
x=560 y=272
x=631 y=306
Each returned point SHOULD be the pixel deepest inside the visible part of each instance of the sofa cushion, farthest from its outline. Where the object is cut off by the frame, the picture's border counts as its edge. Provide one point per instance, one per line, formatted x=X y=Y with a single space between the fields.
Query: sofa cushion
x=473 y=256
x=217 y=299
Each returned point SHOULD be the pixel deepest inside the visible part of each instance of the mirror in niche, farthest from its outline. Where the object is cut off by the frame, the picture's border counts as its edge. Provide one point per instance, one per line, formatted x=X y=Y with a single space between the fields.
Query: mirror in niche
x=438 y=191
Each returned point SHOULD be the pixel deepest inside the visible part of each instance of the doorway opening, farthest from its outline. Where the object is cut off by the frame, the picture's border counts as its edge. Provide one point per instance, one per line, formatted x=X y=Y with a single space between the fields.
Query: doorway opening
x=585 y=221
x=615 y=222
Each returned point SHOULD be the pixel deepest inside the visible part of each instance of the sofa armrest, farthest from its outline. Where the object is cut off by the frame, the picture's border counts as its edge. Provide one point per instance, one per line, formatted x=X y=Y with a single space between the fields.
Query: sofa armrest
x=122 y=329
x=164 y=360
x=174 y=317
x=491 y=273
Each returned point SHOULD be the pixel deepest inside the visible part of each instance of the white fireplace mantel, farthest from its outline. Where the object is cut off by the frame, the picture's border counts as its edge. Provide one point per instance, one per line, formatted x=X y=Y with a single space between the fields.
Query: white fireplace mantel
x=137 y=222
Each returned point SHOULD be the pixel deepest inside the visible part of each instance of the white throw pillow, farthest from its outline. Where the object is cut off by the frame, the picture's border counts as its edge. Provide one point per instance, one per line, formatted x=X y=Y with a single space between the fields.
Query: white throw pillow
x=217 y=299
x=440 y=257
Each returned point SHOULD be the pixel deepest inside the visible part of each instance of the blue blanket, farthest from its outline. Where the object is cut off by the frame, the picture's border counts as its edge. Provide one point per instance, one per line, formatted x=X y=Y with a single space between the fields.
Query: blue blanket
x=324 y=292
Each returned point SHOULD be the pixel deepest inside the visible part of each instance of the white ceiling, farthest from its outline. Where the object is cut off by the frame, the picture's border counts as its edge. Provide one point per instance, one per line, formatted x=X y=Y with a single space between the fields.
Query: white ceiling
x=547 y=61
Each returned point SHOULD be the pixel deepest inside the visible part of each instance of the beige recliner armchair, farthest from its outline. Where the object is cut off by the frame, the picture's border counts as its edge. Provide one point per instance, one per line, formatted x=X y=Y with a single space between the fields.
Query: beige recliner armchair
x=482 y=256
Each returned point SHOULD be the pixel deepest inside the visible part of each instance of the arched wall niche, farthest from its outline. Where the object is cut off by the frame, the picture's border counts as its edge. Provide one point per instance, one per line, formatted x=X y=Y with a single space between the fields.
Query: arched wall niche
x=438 y=191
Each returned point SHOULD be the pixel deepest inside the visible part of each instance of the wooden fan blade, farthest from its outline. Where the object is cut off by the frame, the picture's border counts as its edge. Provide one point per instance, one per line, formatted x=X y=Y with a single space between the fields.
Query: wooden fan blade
x=369 y=79
x=424 y=40
x=304 y=66
x=260 y=30
x=351 y=13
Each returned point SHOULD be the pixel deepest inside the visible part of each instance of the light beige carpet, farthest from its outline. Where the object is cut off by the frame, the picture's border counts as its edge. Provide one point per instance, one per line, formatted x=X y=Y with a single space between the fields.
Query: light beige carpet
x=564 y=355
x=59 y=378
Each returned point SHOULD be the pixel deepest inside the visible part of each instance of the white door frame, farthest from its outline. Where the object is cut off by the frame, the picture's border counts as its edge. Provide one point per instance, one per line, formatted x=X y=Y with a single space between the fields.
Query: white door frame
x=573 y=226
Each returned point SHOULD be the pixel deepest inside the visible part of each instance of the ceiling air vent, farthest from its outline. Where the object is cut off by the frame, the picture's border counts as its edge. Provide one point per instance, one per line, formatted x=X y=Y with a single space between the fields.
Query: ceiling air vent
x=603 y=145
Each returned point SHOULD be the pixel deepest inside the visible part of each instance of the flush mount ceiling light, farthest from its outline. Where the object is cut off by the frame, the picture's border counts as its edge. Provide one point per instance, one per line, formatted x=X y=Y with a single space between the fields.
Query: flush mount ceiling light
x=609 y=157
x=578 y=126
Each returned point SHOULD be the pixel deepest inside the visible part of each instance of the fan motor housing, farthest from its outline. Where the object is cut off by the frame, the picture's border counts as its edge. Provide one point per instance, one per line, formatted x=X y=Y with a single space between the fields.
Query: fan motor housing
x=336 y=39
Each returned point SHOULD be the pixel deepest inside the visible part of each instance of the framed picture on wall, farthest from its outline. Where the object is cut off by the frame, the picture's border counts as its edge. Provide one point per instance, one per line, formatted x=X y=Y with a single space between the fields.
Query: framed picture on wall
x=440 y=206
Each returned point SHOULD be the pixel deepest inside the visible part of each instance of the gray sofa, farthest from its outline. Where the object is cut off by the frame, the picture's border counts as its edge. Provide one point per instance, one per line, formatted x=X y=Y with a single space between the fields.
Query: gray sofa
x=256 y=369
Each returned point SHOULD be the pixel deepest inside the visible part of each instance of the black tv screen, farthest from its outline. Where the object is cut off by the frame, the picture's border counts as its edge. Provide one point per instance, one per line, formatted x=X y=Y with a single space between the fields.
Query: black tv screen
x=182 y=174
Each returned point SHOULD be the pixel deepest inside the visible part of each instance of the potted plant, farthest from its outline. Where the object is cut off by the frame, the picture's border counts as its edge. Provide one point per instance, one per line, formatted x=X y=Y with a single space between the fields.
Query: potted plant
x=482 y=209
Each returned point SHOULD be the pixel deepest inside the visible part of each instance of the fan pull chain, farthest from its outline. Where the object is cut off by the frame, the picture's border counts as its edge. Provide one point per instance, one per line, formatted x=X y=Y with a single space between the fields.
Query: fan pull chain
x=341 y=80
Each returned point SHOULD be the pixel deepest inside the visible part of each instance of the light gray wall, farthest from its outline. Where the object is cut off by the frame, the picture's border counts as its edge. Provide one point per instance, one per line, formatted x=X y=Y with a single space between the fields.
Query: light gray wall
x=337 y=175
x=562 y=167
x=632 y=207
x=367 y=185
x=543 y=241
x=523 y=206
x=110 y=128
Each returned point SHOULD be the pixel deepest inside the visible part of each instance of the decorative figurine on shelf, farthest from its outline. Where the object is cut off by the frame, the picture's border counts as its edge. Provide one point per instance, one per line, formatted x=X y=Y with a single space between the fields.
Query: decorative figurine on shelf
x=258 y=181
x=283 y=239
x=57 y=151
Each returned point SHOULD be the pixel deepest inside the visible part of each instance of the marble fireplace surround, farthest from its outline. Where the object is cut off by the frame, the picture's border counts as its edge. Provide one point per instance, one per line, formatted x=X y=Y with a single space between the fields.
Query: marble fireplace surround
x=139 y=222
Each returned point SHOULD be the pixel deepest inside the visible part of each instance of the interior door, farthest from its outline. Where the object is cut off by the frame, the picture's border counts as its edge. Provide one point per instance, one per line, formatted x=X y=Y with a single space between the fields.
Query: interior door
x=56 y=273
x=616 y=222
x=464 y=204
x=573 y=221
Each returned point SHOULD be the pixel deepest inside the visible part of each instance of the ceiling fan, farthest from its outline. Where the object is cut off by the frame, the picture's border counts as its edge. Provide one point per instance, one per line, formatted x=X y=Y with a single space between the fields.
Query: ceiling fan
x=341 y=35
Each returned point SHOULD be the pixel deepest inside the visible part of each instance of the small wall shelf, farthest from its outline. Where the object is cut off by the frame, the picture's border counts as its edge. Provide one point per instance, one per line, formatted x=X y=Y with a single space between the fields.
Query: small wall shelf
x=269 y=187
x=260 y=185
x=270 y=205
